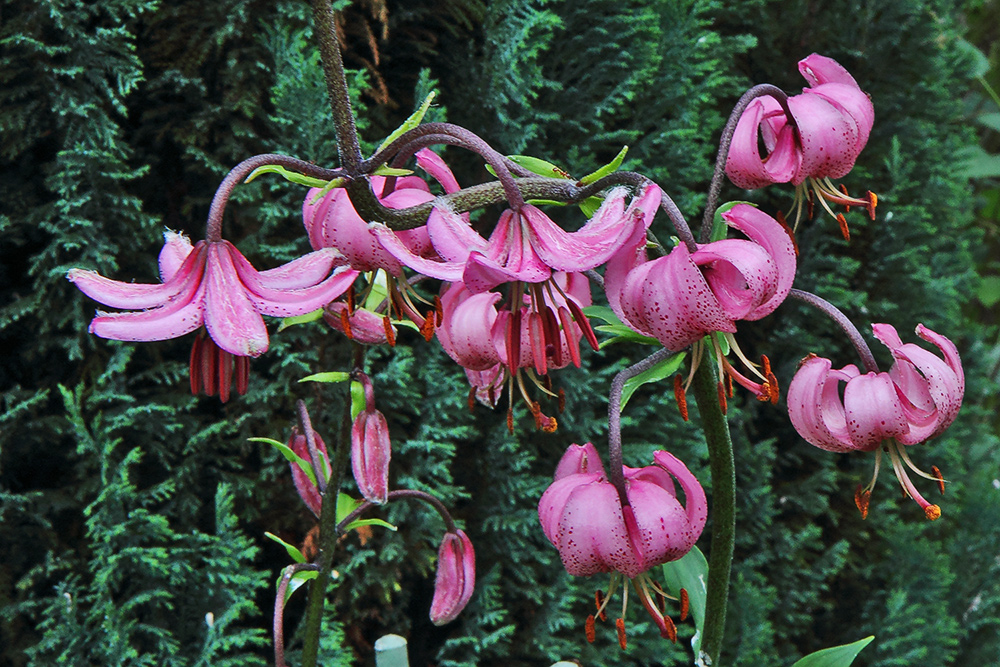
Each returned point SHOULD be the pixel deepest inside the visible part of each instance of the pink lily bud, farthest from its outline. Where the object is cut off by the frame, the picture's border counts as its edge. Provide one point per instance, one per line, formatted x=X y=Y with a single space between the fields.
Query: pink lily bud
x=360 y=325
x=456 y=577
x=308 y=491
x=917 y=399
x=371 y=449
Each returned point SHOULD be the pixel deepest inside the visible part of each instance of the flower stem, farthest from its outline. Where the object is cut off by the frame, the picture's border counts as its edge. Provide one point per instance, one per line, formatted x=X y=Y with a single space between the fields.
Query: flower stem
x=336 y=86
x=720 y=561
x=328 y=534
x=831 y=311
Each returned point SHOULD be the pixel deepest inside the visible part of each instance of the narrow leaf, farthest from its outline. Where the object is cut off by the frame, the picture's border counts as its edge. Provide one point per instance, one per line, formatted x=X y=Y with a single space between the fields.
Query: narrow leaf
x=292 y=551
x=691 y=574
x=838 y=656
x=609 y=168
x=292 y=176
x=410 y=122
x=391 y=171
x=332 y=376
x=292 y=457
x=300 y=319
x=719 y=226
x=665 y=369
x=299 y=578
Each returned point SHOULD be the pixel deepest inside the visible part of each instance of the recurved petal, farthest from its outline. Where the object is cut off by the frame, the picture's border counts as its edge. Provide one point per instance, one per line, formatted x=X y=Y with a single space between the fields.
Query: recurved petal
x=744 y=164
x=853 y=101
x=432 y=163
x=230 y=317
x=696 y=505
x=580 y=459
x=289 y=302
x=466 y=328
x=664 y=532
x=815 y=408
x=453 y=238
x=448 y=271
x=305 y=271
x=818 y=70
x=766 y=232
x=181 y=316
x=176 y=248
x=828 y=135
x=592 y=536
x=741 y=274
x=581 y=250
x=873 y=411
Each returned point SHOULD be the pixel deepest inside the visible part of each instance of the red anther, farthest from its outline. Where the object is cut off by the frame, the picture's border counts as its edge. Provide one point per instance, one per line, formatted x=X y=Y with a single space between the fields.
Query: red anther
x=620 y=625
x=844 y=231
x=721 y=391
x=472 y=399
x=390 y=335
x=438 y=311
x=242 y=374
x=536 y=334
x=680 y=396
x=345 y=322
x=589 y=629
x=571 y=342
x=728 y=379
x=872 y=203
x=939 y=477
x=843 y=189
x=492 y=394
x=599 y=601
x=772 y=388
x=862 y=499
x=510 y=420
x=669 y=630
x=562 y=400
x=350 y=299
x=584 y=323
x=685 y=604
x=427 y=326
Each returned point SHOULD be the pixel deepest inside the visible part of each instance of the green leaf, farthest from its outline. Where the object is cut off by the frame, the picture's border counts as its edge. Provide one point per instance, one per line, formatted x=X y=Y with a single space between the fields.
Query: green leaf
x=346 y=505
x=332 y=376
x=666 y=368
x=292 y=551
x=300 y=319
x=990 y=120
x=357 y=399
x=719 y=226
x=691 y=574
x=534 y=165
x=975 y=162
x=410 y=122
x=299 y=578
x=287 y=452
x=391 y=171
x=722 y=340
x=292 y=176
x=357 y=523
x=609 y=168
x=838 y=656
x=590 y=205
x=615 y=328
x=335 y=183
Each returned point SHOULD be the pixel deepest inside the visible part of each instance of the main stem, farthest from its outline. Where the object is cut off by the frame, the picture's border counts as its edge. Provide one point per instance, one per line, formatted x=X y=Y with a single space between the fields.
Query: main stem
x=328 y=534
x=720 y=560
x=336 y=85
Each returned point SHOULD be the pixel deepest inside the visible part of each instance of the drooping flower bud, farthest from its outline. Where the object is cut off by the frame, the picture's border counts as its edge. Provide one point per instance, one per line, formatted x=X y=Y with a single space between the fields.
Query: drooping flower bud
x=308 y=490
x=456 y=577
x=371 y=449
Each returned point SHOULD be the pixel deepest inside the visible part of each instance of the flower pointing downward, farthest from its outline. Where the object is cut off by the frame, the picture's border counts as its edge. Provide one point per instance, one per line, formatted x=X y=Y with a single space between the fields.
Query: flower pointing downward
x=456 y=577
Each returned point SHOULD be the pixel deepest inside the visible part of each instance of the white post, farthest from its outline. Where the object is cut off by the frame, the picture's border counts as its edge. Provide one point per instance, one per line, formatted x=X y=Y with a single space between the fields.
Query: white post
x=390 y=651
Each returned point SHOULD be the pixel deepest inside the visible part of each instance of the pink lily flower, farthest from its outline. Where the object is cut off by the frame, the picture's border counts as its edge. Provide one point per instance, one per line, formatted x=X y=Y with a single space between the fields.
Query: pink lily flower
x=680 y=298
x=456 y=577
x=917 y=399
x=213 y=284
x=360 y=325
x=525 y=246
x=830 y=124
x=584 y=518
x=495 y=345
x=371 y=449
x=332 y=222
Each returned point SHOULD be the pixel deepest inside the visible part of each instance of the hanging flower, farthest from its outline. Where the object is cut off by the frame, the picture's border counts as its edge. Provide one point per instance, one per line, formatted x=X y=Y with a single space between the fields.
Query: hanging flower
x=829 y=126
x=215 y=286
x=595 y=530
x=456 y=577
x=370 y=448
x=917 y=399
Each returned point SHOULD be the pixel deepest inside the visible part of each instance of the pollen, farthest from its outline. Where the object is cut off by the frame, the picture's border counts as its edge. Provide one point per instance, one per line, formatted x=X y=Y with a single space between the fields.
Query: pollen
x=862 y=499
x=670 y=630
x=872 y=203
x=939 y=477
x=589 y=629
x=620 y=625
x=390 y=335
x=345 y=321
x=685 y=604
x=844 y=231
x=933 y=512
x=680 y=397
x=599 y=601
x=427 y=328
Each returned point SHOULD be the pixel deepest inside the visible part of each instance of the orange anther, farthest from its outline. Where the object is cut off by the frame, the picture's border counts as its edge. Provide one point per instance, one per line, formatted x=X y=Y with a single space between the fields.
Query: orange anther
x=620 y=625
x=933 y=512
x=510 y=420
x=721 y=391
x=680 y=396
x=589 y=629
x=599 y=601
x=939 y=477
x=685 y=604
x=562 y=400
x=872 y=203
x=844 y=231
x=438 y=311
x=765 y=364
x=427 y=326
x=350 y=299
x=772 y=388
x=843 y=189
x=670 y=630
x=390 y=334
x=345 y=321
x=862 y=499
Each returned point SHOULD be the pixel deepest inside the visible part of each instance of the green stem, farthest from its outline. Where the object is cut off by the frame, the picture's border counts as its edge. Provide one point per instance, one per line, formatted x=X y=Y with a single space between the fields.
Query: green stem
x=328 y=534
x=720 y=561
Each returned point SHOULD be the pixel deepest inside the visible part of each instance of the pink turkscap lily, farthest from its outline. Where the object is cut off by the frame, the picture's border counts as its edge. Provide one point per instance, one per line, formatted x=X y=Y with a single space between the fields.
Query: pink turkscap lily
x=494 y=346
x=916 y=400
x=584 y=518
x=213 y=284
x=456 y=577
x=526 y=245
x=830 y=124
x=680 y=298
x=332 y=221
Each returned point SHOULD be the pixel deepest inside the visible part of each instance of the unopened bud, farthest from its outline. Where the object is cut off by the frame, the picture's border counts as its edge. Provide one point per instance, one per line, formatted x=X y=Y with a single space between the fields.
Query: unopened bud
x=456 y=577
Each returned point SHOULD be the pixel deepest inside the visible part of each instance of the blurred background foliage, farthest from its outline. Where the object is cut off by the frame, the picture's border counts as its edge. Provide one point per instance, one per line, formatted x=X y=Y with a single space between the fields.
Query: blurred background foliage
x=132 y=514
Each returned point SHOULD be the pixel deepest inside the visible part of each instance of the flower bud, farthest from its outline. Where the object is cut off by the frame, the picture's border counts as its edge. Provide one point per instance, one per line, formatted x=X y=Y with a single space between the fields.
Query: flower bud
x=456 y=577
x=306 y=488
x=371 y=450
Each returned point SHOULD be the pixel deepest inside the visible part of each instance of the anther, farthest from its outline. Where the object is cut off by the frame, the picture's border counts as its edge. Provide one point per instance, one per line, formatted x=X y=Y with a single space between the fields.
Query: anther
x=427 y=327
x=939 y=477
x=721 y=391
x=872 y=203
x=844 y=231
x=510 y=420
x=345 y=322
x=589 y=629
x=728 y=379
x=438 y=311
x=669 y=630
x=932 y=512
x=599 y=601
x=562 y=400
x=685 y=604
x=661 y=602
x=472 y=399
x=772 y=388
x=680 y=396
x=620 y=625
x=843 y=189
x=862 y=499
x=390 y=335
x=350 y=300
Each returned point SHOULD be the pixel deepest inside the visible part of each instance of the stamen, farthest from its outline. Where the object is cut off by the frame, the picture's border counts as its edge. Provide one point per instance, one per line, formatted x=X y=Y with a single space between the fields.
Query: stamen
x=242 y=374
x=685 y=604
x=581 y=319
x=720 y=390
x=940 y=478
x=472 y=399
x=680 y=397
x=562 y=401
x=844 y=231
x=427 y=328
x=932 y=512
x=390 y=335
x=438 y=311
x=728 y=379
x=906 y=459
x=843 y=189
x=345 y=323
x=588 y=628
x=620 y=625
x=862 y=498
x=510 y=420
x=225 y=373
x=660 y=598
x=872 y=203
x=553 y=340
x=671 y=629
x=601 y=602
x=350 y=299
